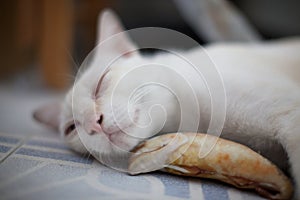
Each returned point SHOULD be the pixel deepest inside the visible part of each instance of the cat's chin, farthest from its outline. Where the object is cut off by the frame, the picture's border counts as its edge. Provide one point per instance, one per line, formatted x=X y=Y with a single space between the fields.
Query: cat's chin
x=117 y=143
x=113 y=156
x=122 y=146
x=122 y=141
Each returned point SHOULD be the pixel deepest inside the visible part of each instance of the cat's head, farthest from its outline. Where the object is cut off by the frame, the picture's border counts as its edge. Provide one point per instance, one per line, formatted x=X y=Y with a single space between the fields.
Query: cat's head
x=100 y=108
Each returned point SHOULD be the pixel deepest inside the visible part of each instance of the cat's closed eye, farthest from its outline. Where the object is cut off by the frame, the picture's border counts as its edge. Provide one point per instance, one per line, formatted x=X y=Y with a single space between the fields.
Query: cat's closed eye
x=70 y=128
x=100 y=84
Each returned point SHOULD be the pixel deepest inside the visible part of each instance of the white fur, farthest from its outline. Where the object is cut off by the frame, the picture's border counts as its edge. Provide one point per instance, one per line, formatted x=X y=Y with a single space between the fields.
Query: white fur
x=262 y=89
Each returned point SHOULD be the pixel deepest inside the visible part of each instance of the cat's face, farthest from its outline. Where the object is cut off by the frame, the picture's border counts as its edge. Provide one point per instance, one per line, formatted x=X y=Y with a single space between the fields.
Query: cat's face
x=102 y=112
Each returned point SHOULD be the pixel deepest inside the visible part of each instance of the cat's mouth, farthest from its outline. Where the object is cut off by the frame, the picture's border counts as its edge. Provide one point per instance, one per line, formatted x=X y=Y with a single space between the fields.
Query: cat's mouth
x=119 y=137
x=119 y=134
x=116 y=133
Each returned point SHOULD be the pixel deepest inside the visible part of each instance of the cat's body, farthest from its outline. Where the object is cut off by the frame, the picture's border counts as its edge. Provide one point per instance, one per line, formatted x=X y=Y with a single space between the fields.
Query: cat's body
x=261 y=83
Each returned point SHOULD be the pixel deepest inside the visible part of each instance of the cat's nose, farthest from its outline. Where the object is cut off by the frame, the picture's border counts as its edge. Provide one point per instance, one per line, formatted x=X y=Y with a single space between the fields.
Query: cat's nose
x=100 y=120
x=95 y=127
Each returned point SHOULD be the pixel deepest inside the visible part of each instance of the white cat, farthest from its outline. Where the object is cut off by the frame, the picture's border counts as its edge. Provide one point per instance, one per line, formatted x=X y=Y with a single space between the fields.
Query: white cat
x=261 y=84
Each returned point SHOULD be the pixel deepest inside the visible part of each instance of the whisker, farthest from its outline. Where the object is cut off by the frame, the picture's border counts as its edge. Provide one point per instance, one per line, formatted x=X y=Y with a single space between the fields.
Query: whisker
x=138 y=96
x=75 y=63
x=122 y=113
x=116 y=116
x=89 y=154
x=84 y=155
x=141 y=94
x=70 y=77
x=142 y=104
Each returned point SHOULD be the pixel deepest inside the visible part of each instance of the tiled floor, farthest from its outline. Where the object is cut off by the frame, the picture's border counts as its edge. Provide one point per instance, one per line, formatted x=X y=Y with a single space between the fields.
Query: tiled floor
x=35 y=163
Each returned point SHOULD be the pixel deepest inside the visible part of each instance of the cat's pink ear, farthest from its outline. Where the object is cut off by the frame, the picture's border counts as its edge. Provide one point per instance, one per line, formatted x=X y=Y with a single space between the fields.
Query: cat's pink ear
x=108 y=25
x=48 y=114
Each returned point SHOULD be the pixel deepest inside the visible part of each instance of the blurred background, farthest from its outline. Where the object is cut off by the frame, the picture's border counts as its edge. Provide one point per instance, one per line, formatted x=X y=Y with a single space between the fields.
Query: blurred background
x=43 y=42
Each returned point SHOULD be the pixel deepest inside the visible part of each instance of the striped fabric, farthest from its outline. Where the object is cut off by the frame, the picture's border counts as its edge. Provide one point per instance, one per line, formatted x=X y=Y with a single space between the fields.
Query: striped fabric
x=43 y=168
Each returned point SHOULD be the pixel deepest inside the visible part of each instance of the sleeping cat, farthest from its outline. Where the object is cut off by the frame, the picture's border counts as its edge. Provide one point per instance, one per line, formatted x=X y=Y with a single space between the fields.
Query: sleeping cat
x=111 y=112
